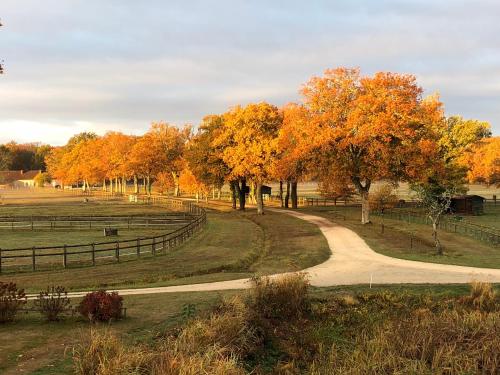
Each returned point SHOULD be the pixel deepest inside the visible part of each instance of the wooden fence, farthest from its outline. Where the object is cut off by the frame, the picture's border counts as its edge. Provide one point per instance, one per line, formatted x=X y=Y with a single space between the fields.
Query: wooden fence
x=36 y=258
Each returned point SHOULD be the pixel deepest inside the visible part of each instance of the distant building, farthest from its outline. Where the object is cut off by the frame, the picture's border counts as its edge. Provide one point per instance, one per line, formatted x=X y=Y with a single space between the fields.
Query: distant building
x=467 y=205
x=18 y=178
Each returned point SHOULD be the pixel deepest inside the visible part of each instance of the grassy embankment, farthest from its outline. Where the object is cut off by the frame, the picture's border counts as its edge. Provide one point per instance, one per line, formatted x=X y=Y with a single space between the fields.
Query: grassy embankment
x=395 y=239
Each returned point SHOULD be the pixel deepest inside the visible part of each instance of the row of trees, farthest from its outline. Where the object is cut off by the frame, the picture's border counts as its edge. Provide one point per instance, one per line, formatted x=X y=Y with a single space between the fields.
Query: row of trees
x=348 y=131
x=27 y=156
x=115 y=158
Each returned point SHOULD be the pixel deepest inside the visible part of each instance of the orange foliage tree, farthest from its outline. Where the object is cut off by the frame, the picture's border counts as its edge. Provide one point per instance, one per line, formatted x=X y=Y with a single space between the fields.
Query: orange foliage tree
x=294 y=150
x=484 y=162
x=371 y=128
x=250 y=134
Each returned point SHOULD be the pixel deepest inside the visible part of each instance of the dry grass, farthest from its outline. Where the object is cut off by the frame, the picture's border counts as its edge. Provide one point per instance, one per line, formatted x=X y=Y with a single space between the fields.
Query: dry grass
x=278 y=329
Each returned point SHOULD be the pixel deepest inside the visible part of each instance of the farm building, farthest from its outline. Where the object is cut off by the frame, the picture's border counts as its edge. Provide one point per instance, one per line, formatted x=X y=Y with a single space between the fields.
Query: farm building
x=18 y=178
x=467 y=205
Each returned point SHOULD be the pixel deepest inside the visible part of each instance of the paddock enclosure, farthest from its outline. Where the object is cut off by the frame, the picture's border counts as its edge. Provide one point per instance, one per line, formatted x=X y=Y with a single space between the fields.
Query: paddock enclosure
x=69 y=233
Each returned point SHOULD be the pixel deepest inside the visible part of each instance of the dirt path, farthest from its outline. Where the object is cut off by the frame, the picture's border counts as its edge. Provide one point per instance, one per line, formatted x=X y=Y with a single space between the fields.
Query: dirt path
x=352 y=262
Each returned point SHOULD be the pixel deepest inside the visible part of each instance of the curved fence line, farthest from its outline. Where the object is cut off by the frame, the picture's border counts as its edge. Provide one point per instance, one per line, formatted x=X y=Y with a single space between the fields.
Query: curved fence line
x=53 y=257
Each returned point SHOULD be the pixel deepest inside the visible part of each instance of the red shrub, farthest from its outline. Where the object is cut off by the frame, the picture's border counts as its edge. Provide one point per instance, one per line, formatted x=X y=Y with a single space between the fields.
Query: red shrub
x=101 y=306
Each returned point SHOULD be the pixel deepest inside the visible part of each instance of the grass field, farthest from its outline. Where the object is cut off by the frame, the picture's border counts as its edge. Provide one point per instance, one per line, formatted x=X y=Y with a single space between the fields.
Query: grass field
x=233 y=245
x=395 y=240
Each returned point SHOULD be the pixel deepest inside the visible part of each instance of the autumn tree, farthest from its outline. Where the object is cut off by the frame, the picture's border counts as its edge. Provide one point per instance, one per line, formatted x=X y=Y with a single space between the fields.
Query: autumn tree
x=160 y=150
x=203 y=158
x=293 y=151
x=483 y=162
x=458 y=136
x=250 y=134
x=5 y=158
x=370 y=128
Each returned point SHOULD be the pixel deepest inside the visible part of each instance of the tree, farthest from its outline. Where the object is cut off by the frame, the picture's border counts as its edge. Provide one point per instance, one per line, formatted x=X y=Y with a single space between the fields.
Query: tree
x=435 y=193
x=483 y=162
x=160 y=150
x=458 y=136
x=371 y=128
x=5 y=158
x=250 y=134
x=331 y=185
x=383 y=197
x=204 y=160
x=294 y=150
x=41 y=179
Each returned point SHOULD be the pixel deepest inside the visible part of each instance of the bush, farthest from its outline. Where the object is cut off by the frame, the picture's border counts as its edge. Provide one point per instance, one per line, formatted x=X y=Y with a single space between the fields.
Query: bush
x=11 y=300
x=283 y=298
x=383 y=198
x=52 y=302
x=101 y=306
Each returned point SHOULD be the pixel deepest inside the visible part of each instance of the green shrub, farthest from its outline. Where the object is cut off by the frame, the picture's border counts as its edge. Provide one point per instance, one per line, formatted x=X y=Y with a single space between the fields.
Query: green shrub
x=11 y=300
x=52 y=302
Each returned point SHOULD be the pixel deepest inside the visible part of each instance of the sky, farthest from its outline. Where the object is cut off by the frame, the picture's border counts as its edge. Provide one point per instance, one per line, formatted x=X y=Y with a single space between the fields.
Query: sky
x=100 y=65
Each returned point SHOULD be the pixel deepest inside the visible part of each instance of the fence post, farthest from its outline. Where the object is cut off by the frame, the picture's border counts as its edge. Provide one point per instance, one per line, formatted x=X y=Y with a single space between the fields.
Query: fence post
x=138 y=248
x=90 y=222
x=0 y=260
x=153 y=246
x=382 y=228
x=33 y=258
x=93 y=254
x=65 y=256
x=411 y=241
x=117 y=252
x=163 y=248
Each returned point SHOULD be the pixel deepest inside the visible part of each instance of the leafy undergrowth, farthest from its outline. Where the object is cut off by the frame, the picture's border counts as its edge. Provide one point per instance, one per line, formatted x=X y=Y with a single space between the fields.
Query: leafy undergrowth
x=278 y=328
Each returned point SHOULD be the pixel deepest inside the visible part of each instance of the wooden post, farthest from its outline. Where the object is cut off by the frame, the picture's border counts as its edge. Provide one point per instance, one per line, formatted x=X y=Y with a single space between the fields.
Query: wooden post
x=163 y=248
x=138 y=248
x=411 y=241
x=90 y=222
x=117 y=252
x=0 y=260
x=93 y=254
x=382 y=228
x=65 y=256
x=153 y=246
x=33 y=259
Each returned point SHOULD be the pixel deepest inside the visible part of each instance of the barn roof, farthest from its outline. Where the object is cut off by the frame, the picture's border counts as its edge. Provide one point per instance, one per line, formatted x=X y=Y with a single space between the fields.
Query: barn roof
x=468 y=196
x=7 y=177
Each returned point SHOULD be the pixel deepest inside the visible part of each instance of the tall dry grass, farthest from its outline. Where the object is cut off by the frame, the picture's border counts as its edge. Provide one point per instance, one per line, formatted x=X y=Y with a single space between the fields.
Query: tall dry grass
x=278 y=329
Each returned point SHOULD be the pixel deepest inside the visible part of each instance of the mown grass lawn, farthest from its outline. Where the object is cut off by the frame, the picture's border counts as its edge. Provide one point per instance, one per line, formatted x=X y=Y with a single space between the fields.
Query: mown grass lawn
x=233 y=245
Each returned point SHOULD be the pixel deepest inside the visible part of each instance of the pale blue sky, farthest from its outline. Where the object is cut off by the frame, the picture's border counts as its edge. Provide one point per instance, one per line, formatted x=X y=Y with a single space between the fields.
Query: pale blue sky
x=75 y=65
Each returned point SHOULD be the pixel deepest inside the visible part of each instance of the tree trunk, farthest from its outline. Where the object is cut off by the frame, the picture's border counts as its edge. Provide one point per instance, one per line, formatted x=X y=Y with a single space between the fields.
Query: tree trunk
x=258 y=198
x=219 y=192
x=365 y=208
x=281 y=193
x=232 y=186
x=144 y=185
x=104 y=187
x=175 y=176
x=124 y=183
x=293 y=194
x=148 y=184
x=242 y=193
x=287 y=195
x=437 y=243
x=197 y=195
x=365 y=203
x=136 y=185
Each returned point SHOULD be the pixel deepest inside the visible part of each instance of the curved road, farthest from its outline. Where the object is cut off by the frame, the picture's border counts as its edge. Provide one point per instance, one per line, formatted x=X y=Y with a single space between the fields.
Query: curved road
x=352 y=262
